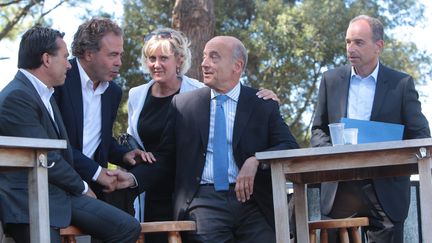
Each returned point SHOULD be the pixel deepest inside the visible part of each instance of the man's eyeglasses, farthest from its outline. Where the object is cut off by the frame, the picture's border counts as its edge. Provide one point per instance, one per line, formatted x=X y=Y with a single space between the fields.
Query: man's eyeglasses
x=160 y=35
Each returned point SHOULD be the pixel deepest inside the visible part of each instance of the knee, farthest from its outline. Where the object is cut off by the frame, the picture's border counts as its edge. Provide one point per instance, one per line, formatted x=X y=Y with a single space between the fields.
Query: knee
x=130 y=228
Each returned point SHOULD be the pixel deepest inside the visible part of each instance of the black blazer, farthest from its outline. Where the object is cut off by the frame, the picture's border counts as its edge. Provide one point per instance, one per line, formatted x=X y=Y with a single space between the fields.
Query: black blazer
x=70 y=102
x=23 y=114
x=258 y=126
x=395 y=101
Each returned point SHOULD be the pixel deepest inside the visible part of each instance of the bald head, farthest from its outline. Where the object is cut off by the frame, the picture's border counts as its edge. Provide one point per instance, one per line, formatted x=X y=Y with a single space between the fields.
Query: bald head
x=224 y=60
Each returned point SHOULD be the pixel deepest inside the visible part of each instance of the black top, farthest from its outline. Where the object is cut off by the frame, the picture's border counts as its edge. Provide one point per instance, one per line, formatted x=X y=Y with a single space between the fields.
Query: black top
x=153 y=119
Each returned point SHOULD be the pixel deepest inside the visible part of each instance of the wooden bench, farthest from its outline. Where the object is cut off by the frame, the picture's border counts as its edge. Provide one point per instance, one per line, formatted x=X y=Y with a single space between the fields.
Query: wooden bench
x=173 y=229
x=68 y=234
x=343 y=225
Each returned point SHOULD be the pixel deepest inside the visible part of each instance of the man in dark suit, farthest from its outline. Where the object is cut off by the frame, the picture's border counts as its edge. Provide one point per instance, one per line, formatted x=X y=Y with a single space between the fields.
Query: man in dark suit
x=232 y=202
x=27 y=109
x=89 y=101
x=368 y=90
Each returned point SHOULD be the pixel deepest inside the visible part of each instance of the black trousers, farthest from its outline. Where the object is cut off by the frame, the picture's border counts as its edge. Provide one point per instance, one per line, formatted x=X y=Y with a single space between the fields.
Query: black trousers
x=95 y=217
x=358 y=199
x=220 y=217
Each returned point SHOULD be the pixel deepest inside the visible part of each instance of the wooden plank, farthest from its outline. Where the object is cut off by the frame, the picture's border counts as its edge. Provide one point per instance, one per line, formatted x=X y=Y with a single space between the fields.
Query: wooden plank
x=350 y=161
x=167 y=226
x=346 y=149
x=13 y=157
x=301 y=212
x=38 y=202
x=425 y=181
x=353 y=174
x=37 y=143
x=280 y=204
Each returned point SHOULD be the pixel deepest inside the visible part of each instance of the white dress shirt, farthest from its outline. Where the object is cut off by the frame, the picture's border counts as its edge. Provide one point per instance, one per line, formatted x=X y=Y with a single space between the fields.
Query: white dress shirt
x=92 y=115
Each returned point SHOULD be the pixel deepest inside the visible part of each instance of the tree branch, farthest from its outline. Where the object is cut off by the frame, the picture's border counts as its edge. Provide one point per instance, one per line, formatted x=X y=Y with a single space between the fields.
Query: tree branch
x=8 y=27
x=8 y=3
x=47 y=12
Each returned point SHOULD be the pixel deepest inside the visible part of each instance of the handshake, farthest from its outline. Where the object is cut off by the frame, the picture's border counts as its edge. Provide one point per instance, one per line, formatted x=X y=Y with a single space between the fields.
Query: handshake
x=117 y=179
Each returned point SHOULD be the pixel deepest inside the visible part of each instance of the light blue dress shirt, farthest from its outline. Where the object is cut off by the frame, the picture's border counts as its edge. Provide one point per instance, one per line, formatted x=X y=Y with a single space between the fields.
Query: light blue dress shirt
x=361 y=95
x=229 y=107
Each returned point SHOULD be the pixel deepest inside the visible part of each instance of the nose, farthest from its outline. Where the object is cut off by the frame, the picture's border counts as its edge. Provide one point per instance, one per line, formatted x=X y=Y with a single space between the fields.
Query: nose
x=204 y=63
x=157 y=62
x=349 y=47
x=118 y=61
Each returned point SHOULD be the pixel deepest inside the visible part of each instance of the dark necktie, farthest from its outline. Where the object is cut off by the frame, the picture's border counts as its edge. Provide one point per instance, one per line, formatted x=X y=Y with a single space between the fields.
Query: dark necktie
x=220 y=147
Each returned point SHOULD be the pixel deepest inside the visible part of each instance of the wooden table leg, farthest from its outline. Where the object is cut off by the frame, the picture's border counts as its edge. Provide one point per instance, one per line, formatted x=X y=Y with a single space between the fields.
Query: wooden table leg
x=280 y=204
x=301 y=212
x=425 y=182
x=38 y=200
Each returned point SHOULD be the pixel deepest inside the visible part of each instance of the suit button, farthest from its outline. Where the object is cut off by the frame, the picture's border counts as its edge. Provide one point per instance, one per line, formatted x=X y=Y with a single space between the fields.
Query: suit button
x=198 y=179
x=204 y=155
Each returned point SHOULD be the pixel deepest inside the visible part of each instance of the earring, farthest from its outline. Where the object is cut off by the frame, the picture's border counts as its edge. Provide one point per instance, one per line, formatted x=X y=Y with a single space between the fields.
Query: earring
x=178 y=70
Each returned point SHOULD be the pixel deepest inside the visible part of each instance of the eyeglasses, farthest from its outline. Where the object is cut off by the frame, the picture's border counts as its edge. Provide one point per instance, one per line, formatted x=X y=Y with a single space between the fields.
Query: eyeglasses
x=160 y=35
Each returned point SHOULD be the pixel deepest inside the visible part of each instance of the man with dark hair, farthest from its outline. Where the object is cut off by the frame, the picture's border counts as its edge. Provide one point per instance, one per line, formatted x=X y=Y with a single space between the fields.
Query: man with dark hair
x=27 y=109
x=89 y=101
x=368 y=90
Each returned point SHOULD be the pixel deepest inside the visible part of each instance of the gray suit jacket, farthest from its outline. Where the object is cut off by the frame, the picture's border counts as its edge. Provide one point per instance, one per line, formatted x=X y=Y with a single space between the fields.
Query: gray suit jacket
x=395 y=101
x=23 y=114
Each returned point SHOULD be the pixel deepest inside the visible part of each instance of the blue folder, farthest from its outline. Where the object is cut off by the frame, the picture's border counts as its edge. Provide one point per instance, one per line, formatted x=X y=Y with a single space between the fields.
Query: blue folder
x=372 y=131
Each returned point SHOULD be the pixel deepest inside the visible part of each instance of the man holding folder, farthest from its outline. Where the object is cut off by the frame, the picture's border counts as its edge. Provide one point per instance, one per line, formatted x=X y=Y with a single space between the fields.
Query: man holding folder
x=368 y=90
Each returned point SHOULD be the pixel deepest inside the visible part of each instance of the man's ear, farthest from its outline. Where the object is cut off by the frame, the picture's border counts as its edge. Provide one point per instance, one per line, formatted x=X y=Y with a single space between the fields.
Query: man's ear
x=88 y=55
x=238 y=66
x=380 y=45
x=46 y=59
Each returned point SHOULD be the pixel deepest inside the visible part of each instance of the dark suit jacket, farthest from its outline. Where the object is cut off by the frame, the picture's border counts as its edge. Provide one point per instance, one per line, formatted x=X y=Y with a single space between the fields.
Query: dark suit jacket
x=23 y=114
x=395 y=101
x=70 y=102
x=258 y=126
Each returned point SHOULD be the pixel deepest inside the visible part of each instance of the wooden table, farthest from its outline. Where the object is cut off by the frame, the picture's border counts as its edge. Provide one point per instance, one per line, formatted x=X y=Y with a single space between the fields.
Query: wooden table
x=20 y=153
x=347 y=162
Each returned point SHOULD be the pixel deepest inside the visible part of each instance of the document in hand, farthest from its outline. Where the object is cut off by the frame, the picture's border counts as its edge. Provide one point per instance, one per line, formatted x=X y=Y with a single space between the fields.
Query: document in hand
x=372 y=131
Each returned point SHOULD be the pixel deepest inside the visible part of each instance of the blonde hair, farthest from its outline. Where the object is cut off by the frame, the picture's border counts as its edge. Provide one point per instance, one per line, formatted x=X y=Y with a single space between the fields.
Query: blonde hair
x=176 y=43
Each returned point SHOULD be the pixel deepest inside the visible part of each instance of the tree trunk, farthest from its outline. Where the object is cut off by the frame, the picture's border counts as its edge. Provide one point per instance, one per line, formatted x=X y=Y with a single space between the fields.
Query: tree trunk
x=196 y=19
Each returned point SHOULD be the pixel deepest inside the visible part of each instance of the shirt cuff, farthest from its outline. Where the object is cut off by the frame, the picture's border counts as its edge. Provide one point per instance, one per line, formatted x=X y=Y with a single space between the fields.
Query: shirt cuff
x=96 y=175
x=135 y=181
x=86 y=187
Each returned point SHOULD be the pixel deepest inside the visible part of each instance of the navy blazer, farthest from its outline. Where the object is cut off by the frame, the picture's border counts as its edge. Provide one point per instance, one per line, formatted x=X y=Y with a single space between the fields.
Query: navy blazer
x=395 y=101
x=258 y=126
x=70 y=102
x=23 y=114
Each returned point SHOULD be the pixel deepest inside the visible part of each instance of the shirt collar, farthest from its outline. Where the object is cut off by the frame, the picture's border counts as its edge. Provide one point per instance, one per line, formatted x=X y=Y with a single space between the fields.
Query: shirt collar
x=374 y=74
x=232 y=94
x=87 y=83
x=44 y=91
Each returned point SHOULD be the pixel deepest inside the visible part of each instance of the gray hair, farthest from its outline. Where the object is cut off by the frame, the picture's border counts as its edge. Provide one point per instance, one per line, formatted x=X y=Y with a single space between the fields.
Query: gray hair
x=240 y=52
x=376 y=26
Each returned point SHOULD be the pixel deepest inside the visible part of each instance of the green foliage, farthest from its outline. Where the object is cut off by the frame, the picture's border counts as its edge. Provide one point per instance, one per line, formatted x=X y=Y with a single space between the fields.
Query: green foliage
x=290 y=43
x=140 y=18
x=17 y=16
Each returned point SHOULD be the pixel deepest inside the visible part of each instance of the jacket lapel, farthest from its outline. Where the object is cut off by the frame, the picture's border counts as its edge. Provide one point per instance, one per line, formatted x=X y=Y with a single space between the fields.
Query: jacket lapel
x=105 y=113
x=51 y=124
x=203 y=118
x=380 y=92
x=244 y=109
x=73 y=83
x=344 y=90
